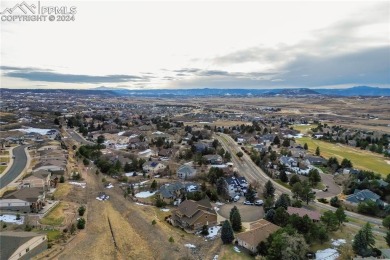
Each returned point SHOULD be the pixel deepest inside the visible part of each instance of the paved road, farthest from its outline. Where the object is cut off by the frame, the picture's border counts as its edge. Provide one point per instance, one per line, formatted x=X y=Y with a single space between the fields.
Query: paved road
x=251 y=171
x=17 y=167
x=333 y=188
x=78 y=138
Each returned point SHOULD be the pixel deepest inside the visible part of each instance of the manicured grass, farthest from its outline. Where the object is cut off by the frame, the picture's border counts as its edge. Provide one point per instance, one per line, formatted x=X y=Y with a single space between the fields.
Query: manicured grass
x=55 y=216
x=364 y=160
x=228 y=253
x=53 y=235
x=2 y=168
x=4 y=159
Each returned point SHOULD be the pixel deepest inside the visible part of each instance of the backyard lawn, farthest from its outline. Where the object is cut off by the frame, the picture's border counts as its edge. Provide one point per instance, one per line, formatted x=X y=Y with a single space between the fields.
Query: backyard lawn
x=55 y=217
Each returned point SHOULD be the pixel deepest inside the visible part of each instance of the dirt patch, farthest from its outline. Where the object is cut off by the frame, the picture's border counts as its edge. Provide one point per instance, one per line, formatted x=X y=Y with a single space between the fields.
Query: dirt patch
x=248 y=213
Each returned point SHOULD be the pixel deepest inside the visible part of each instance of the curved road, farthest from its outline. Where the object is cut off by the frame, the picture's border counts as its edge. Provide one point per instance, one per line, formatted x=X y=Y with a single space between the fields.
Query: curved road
x=252 y=172
x=17 y=167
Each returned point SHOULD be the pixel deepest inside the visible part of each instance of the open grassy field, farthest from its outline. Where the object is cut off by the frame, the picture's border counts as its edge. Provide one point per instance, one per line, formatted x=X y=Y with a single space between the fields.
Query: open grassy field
x=55 y=216
x=303 y=128
x=364 y=160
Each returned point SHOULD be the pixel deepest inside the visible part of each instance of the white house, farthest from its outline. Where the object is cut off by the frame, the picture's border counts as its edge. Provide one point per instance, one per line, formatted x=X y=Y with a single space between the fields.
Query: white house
x=153 y=167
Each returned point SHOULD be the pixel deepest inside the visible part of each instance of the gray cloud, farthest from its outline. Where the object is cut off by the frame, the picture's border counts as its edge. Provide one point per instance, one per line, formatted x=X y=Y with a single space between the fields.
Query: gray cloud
x=33 y=74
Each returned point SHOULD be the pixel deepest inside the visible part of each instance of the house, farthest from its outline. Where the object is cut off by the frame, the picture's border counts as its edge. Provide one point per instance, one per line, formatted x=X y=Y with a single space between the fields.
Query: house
x=34 y=182
x=288 y=161
x=21 y=245
x=200 y=147
x=186 y=171
x=231 y=186
x=193 y=215
x=24 y=200
x=153 y=167
x=165 y=152
x=171 y=192
x=235 y=185
x=214 y=159
x=315 y=160
x=313 y=215
x=258 y=232
x=55 y=166
x=364 y=195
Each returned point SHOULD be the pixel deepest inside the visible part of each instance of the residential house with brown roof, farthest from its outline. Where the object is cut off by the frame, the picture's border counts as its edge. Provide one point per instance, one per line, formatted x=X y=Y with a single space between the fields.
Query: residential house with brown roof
x=259 y=231
x=313 y=215
x=21 y=200
x=193 y=215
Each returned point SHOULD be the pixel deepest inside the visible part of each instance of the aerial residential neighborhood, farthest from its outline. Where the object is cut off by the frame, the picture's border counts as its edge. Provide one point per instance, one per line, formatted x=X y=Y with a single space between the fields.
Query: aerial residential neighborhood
x=238 y=181
x=195 y=130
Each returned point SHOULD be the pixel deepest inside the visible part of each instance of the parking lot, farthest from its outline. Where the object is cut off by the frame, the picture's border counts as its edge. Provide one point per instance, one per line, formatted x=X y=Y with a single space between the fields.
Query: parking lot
x=248 y=213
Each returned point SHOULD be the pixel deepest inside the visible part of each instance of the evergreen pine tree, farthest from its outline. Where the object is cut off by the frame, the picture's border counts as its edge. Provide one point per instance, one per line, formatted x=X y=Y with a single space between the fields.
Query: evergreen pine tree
x=227 y=234
x=236 y=220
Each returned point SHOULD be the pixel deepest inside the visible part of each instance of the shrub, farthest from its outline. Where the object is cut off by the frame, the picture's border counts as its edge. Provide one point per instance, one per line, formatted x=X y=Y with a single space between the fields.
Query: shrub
x=62 y=179
x=323 y=200
x=72 y=229
x=171 y=239
x=81 y=223
x=81 y=211
x=154 y=222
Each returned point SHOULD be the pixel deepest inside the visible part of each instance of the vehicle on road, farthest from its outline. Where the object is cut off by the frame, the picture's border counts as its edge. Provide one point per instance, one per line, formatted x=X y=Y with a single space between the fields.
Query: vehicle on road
x=236 y=198
x=247 y=202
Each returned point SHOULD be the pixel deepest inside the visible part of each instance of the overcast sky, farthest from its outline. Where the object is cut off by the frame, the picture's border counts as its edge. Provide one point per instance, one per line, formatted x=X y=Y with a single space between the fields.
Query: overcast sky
x=203 y=44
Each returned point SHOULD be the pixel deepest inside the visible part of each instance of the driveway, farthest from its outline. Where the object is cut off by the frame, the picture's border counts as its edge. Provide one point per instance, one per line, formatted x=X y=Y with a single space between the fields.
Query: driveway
x=78 y=138
x=248 y=213
x=333 y=188
x=17 y=167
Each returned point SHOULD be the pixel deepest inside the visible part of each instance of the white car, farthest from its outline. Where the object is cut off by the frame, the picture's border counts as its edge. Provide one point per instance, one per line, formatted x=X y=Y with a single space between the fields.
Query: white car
x=259 y=202
x=248 y=203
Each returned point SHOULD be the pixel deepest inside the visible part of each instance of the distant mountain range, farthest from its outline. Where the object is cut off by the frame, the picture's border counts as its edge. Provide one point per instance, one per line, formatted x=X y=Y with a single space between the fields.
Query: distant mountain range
x=205 y=92
x=348 y=92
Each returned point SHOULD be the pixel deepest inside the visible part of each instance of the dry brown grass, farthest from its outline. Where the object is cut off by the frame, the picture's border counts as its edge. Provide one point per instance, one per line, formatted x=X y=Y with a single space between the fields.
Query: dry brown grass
x=62 y=190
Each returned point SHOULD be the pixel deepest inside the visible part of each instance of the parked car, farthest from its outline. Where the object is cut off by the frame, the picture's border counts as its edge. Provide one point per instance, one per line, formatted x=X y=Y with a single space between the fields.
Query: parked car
x=248 y=203
x=259 y=202
x=236 y=198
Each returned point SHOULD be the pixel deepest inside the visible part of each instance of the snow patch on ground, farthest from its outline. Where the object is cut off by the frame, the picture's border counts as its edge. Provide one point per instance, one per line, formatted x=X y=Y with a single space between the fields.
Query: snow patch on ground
x=165 y=210
x=216 y=208
x=213 y=232
x=236 y=249
x=144 y=194
x=121 y=133
x=338 y=242
x=219 y=203
x=80 y=184
x=190 y=245
x=40 y=131
x=215 y=257
x=140 y=204
x=109 y=186
x=11 y=219
x=327 y=254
